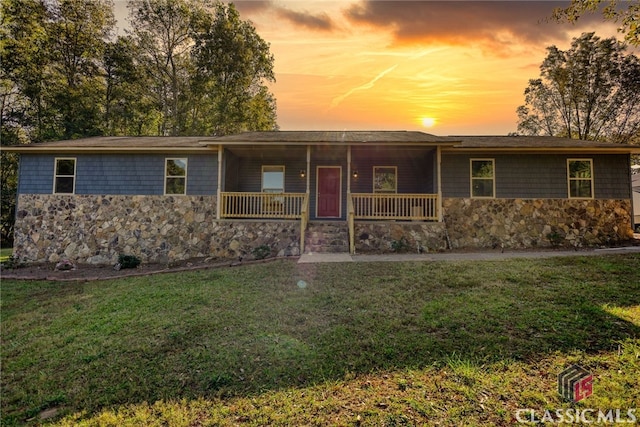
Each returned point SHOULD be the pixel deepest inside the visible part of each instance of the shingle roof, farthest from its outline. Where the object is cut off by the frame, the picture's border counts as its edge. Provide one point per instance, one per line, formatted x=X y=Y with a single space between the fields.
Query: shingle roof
x=292 y=137
x=117 y=143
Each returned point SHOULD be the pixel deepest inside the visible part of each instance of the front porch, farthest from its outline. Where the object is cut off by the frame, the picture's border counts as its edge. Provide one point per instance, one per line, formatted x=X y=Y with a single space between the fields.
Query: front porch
x=360 y=207
x=345 y=183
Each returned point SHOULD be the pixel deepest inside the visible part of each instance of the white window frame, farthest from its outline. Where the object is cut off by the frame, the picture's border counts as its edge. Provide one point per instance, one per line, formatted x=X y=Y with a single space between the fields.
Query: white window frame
x=56 y=176
x=373 y=183
x=472 y=178
x=570 y=179
x=262 y=187
x=166 y=176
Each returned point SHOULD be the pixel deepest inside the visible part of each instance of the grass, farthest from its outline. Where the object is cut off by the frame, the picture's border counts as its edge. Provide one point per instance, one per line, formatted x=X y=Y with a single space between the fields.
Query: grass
x=360 y=344
x=5 y=254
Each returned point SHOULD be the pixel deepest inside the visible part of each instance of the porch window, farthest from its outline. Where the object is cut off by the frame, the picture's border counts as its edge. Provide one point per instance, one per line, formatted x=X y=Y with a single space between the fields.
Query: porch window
x=385 y=179
x=65 y=176
x=580 y=178
x=482 y=178
x=273 y=179
x=175 y=181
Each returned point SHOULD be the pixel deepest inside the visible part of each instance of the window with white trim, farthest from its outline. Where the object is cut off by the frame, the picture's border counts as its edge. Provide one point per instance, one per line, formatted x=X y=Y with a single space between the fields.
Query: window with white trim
x=483 y=183
x=385 y=179
x=175 y=176
x=64 y=181
x=273 y=179
x=580 y=178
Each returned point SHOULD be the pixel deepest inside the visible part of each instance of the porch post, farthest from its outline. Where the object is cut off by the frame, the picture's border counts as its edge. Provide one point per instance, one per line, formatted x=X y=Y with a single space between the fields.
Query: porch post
x=219 y=192
x=308 y=169
x=439 y=168
x=348 y=171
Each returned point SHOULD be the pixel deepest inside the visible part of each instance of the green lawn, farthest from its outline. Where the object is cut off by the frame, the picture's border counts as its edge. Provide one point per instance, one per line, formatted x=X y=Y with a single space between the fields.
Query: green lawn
x=355 y=344
x=5 y=254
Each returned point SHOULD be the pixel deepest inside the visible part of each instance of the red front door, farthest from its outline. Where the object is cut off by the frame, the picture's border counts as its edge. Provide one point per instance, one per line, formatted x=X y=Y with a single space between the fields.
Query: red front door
x=329 y=192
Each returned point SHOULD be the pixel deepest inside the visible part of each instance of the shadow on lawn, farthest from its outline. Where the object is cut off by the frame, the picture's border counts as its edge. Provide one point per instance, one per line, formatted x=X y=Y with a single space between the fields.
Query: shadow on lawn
x=208 y=341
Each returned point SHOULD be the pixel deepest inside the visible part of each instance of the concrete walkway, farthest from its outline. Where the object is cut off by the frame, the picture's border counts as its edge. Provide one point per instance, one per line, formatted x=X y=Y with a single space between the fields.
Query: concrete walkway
x=487 y=255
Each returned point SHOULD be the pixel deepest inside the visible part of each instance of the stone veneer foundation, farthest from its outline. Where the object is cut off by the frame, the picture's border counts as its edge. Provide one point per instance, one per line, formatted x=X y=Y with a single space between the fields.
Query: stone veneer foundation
x=377 y=237
x=526 y=223
x=97 y=229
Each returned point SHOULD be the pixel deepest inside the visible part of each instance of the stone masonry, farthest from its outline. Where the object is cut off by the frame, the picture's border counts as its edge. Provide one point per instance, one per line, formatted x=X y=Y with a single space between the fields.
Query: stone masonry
x=386 y=237
x=97 y=229
x=526 y=223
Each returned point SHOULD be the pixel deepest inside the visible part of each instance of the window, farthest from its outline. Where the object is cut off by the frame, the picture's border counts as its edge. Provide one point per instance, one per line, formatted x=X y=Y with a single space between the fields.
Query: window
x=65 y=176
x=273 y=179
x=175 y=181
x=385 y=179
x=482 y=178
x=580 y=180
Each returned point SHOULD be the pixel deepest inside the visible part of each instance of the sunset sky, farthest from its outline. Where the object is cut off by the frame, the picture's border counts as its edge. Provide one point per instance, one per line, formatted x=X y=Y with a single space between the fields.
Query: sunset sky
x=443 y=67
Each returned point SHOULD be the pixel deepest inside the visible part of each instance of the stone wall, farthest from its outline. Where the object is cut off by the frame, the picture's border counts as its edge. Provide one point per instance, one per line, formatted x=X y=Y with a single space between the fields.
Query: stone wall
x=381 y=237
x=97 y=229
x=526 y=223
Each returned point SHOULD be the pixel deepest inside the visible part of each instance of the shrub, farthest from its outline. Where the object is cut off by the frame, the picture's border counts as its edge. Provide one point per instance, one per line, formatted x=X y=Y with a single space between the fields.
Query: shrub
x=261 y=252
x=128 y=261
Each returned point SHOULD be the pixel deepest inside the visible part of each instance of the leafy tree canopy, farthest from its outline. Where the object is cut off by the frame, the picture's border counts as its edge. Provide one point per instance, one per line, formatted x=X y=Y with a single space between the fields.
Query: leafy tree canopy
x=626 y=13
x=590 y=91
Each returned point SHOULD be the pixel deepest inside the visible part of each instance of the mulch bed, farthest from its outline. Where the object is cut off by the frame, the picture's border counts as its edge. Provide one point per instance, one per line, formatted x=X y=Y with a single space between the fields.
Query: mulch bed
x=87 y=272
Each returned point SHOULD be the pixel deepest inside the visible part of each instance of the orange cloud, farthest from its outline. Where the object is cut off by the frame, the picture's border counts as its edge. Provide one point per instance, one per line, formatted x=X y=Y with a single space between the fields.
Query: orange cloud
x=461 y=22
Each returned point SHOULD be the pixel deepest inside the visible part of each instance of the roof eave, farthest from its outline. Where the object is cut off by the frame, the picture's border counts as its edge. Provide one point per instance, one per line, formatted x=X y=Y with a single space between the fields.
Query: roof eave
x=105 y=150
x=538 y=150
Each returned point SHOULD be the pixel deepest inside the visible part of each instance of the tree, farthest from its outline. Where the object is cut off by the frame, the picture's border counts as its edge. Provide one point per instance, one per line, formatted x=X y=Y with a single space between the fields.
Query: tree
x=25 y=55
x=591 y=92
x=129 y=108
x=629 y=18
x=206 y=65
x=50 y=52
x=162 y=30
x=79 y=31
x=232 y=62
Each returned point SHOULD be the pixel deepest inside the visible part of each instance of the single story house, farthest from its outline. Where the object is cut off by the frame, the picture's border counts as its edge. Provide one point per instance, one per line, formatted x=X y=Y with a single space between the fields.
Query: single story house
x=288 y=192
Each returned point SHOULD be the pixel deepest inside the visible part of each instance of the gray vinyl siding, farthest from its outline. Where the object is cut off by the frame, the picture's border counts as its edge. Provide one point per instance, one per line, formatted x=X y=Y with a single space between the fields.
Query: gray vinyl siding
x=250 y=173
x=612 y=176
x=231 y=171
x=118 y=174
x=537 y=176
x=36 y=174
x=202 y=175
x=415 y=169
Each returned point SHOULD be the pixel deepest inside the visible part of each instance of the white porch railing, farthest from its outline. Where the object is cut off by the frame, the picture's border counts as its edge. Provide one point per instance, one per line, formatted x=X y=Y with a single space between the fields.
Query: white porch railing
x=420 y=207
x=263 y=205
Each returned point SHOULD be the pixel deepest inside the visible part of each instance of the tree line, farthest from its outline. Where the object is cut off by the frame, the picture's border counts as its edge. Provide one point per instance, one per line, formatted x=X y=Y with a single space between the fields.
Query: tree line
x=186 y=67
